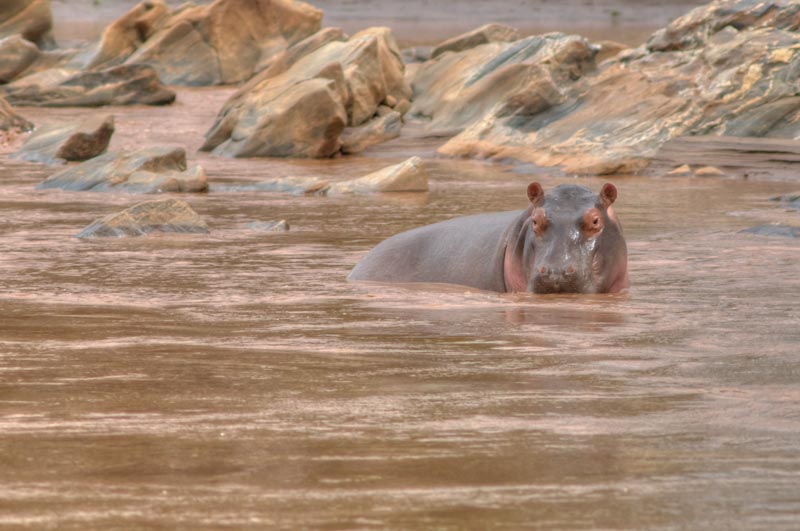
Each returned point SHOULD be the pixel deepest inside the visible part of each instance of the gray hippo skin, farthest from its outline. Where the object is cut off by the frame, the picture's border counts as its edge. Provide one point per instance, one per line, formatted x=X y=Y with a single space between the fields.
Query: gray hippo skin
x=568 y=241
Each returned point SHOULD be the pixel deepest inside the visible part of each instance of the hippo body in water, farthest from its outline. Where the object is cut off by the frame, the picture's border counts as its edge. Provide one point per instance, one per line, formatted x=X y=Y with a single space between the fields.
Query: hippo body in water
x=567 y=241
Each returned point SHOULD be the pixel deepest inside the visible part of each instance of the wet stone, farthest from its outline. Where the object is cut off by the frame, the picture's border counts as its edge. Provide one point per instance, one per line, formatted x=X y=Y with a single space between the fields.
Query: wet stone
x=269 y=226
x=163 y=215
x=784 y=231
x=56 y=144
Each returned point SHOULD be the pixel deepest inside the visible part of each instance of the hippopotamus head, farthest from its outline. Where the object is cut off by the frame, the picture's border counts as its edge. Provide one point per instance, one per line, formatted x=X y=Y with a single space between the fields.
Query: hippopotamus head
x=572 y=243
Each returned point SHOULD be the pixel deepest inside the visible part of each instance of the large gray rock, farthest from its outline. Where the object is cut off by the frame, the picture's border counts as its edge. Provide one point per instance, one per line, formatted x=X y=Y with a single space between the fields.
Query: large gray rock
x=218 y=43
x=485 y=34
x=118 y=85
x=162 y=215
x=10 y=120
x=458 y=89
x=701 y=77
x=56 y=144
x=299 y=106
x=408 y=176
x=147 y=171
x=32 y=19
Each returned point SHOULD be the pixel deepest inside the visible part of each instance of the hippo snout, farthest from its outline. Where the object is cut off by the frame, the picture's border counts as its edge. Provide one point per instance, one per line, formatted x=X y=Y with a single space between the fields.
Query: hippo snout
x=557 y=280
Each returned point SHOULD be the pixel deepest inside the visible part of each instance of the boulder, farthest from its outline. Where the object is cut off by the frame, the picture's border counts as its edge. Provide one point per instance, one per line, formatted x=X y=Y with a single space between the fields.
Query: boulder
x=16 y=55
x=482 y=35
x=732 y=82
x=458 y=89
x=56 y=144
x=219 y=43
x=118 y=85
x=10 y=120
x=147 y=171
x=32 y=19
x=380 y=129
x=299 y=106
x=408 y=176
x=162 y=215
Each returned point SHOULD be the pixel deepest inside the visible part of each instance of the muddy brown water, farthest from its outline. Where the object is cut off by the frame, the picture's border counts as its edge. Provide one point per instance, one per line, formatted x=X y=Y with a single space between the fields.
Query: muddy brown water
x=237 y=381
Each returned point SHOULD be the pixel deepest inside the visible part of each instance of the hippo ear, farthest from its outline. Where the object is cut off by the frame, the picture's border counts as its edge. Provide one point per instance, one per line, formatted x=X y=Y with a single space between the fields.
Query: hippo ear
x=608 y=194
x=535 y=194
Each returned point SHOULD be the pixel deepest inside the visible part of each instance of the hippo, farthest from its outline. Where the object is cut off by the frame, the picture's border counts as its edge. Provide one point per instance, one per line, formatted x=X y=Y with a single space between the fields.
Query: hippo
x=568 y=240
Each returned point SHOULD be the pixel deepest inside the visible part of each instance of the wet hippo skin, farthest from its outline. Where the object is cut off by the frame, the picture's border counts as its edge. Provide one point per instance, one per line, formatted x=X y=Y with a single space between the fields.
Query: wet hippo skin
x=567 y=241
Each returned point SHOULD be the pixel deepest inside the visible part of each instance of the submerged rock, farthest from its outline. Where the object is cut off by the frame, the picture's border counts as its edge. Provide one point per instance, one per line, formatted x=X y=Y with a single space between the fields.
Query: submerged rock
x=56 y=144
x=784 y=231
x=482 y=35
x=147 y=171
x=218 y=43
x=269 y=226
x=699 y=77
x=300 y=106
x=408 y=176
x=788 y=200
x=32 y=19
x=118 y=85
x=162 y=215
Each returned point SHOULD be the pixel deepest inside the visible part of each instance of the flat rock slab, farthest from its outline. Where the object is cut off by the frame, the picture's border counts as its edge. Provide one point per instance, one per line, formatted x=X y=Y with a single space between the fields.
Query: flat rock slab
x=383 y=127
x=485 y=34
x=783 y=231
x=408 y=176
x=119 y=85
x=146 y=171
x=778 y=157
x=56 y=144
x=162 y=215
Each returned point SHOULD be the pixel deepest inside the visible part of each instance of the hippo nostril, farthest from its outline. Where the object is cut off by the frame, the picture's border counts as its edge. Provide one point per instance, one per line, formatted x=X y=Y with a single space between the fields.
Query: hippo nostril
x=543 y=270
x=570 y=270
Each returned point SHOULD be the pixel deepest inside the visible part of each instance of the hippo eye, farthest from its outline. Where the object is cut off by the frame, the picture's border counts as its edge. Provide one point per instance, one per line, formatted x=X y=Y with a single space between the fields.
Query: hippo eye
x=596 y=222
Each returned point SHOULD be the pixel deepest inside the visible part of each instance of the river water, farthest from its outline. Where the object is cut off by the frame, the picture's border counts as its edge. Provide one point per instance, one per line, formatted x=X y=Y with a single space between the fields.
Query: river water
x=237 y=381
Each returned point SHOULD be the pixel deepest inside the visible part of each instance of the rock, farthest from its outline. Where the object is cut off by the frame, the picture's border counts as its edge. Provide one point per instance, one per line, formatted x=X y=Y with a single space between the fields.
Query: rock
x=408 y=176
x=708 y=171
x=482 y=35
x=10 y=120
x=16 y=55
x=684 y=169
x=379 y=129
x=456 y=90
x=32 y=19
x=118 y=85
x=269 y=226
x=617 y=119
x=162 y=215
x=57 y=144
x=220 y=43
x=418 y=54
x=300 y=110
x=146 y=171
x=608 y=49
x=788 y=200
x=784 y=231
x=702 y=24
